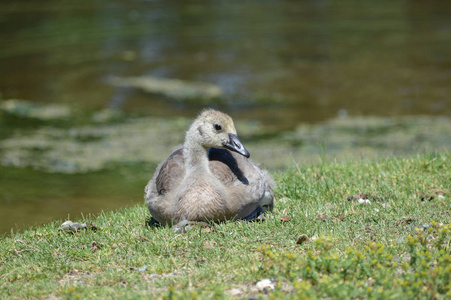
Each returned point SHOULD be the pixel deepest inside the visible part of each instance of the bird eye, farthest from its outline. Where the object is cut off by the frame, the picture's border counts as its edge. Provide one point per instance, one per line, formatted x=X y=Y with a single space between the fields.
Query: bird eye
x=218 y=127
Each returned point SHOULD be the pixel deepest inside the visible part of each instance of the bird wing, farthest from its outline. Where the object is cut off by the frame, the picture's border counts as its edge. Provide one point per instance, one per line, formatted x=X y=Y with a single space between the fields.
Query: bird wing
x=225 y=167
x=245 y=181
x=171 y=172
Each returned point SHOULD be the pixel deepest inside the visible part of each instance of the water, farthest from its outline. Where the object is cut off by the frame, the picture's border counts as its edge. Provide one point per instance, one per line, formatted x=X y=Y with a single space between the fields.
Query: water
x=282 y=63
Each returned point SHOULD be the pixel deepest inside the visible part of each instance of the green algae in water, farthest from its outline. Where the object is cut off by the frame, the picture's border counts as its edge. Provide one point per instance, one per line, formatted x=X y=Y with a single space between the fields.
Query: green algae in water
x=95 y=147
x=172 y=88
x=31 y=110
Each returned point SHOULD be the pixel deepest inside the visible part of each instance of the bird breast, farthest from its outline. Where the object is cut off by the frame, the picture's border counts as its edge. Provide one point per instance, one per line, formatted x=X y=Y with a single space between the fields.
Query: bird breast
x=203 y=200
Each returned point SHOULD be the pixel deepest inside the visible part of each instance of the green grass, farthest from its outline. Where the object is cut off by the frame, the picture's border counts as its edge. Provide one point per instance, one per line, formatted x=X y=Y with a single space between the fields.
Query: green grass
x=355 y=250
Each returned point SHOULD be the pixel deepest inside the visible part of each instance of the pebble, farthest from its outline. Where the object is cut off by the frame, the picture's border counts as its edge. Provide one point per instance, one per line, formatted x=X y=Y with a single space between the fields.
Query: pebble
x=285 y=218
x=364 y=201
x=302 y=239
x=142 y=269
x=322 y=216
x=73 y=227
x=265 y=285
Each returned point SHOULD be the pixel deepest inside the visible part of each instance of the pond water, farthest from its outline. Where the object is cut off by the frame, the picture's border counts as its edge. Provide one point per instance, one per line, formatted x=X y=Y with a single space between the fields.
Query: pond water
x=279 y=63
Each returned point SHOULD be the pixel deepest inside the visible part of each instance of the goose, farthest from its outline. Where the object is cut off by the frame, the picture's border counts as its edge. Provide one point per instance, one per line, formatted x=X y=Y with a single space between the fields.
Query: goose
x=209 y=178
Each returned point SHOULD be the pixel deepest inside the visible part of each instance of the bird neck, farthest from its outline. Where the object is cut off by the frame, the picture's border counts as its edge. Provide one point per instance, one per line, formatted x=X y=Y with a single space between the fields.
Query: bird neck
x=195 y=155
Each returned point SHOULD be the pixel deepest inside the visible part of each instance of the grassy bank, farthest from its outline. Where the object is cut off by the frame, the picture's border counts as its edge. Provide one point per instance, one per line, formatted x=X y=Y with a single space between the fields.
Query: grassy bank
x=374 y=229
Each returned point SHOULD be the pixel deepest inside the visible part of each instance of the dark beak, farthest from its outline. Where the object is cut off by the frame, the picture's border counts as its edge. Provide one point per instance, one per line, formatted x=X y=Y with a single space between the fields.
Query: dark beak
x=234 y=144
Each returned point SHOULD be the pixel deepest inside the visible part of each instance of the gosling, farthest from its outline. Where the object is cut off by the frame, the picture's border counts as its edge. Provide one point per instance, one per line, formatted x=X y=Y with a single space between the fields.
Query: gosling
x=209 y=178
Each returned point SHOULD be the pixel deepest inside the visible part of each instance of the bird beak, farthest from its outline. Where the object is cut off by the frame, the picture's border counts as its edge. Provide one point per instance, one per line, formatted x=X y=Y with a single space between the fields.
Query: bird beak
x=234 y=144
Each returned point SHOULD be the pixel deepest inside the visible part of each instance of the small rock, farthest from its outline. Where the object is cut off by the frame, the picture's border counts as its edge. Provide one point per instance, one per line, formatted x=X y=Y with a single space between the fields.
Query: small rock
x=302 y=239
x=143 y=269
x=73 y=227
x=285 y=218
x=365 y=197
x=265 y=285
x=364 y=201
x=321 y=216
